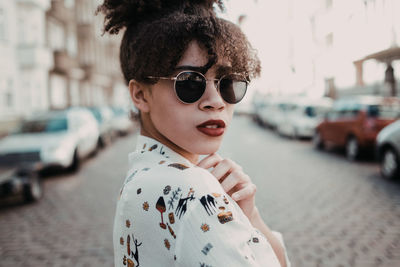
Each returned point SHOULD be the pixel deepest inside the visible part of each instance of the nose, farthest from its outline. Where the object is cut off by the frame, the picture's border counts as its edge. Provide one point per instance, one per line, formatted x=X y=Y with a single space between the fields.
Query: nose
x=211 y=99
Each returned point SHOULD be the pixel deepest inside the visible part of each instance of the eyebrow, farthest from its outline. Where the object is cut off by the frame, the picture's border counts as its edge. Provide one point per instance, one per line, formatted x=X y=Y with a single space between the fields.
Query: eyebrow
x=220 y=69
x=223 y=69
x=201 y=69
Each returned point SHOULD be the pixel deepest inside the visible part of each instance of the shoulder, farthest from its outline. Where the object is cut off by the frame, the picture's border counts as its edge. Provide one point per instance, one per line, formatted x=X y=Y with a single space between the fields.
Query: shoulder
x=154 y=176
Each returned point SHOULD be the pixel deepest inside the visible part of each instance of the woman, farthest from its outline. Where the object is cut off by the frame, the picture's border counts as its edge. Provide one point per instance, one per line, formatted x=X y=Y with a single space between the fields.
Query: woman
x=185 y=68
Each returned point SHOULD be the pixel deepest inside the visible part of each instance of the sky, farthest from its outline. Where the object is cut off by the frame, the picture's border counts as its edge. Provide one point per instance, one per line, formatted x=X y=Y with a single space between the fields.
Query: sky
x=358 y=31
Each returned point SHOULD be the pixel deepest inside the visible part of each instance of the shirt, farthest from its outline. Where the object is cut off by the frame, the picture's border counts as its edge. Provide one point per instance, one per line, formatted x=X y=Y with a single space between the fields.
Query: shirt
x=172 y=213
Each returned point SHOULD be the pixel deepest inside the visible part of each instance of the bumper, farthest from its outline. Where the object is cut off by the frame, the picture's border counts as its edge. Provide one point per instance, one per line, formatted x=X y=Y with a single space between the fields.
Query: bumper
x=16 y=180
x=305 y=132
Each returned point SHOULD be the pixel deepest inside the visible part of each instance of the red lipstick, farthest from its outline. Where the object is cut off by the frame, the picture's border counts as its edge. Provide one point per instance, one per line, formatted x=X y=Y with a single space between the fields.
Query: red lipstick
x=212 y=128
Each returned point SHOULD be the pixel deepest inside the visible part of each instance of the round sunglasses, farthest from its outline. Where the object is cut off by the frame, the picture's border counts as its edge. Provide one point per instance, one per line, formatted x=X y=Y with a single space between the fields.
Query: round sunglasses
x=191 y=85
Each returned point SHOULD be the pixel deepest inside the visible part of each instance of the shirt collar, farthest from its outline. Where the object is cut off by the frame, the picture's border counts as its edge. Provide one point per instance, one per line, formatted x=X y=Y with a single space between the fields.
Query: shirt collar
x=146 y=145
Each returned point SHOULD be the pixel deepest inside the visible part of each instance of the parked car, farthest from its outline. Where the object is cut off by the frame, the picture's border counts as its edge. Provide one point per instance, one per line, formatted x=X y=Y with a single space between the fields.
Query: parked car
x=302 y=115
x=103 y=117
x=354 y=123
x=121 y=123
x=388 y=149
x=18 y=179
x=272 y=110
x=54 y=138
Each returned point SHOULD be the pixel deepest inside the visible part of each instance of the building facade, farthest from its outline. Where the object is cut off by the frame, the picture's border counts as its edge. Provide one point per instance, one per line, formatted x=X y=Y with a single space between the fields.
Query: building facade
x=53 y=56
x=356 y=43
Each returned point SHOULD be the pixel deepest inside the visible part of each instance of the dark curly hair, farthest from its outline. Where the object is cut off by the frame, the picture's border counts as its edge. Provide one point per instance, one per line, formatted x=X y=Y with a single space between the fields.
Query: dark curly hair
x=157 y=33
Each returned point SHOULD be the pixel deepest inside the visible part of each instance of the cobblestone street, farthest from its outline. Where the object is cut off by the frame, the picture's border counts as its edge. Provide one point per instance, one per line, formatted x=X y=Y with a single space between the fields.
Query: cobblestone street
x=72 y=225
x=331 y=212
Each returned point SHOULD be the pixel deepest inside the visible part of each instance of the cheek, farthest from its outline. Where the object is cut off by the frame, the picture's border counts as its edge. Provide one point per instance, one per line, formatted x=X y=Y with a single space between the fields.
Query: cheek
x=171 y=116
x=229 y=109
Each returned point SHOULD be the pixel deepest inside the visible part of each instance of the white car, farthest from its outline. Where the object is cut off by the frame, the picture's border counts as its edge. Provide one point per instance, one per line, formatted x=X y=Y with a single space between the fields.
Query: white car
x=388 y=149
x=303 y=116
x=271 y=111
x=121 y=123
x=54 y=138
x=104 y=116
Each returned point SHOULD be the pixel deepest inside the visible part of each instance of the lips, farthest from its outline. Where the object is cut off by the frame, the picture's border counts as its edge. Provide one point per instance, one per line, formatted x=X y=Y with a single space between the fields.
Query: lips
x=212 y=128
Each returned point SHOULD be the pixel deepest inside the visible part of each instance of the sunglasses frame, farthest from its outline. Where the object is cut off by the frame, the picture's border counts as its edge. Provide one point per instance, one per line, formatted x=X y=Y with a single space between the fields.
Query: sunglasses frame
x=207 y=80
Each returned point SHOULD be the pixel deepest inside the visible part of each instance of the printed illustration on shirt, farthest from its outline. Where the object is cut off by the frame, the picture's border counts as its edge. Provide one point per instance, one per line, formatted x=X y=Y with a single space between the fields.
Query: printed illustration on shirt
x=173 y=212
x=132 y=254
x=173 y=198
x=205 y=227
x=182 y=204
x=207 y=248
x=210 y=204
x=160 y=206
x=179 y=166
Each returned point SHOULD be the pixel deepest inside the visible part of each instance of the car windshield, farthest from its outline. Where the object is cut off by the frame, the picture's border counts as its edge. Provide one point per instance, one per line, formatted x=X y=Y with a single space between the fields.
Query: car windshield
x=43 y=126
x=310 y=112
x=96 y=113
x=119 y=111
x=315 y=111
x=384 y=111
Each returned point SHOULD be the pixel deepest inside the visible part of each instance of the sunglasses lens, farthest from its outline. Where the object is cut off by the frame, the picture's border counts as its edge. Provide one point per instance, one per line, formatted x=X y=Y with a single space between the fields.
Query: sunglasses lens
x=232 y=88
x=189 y=86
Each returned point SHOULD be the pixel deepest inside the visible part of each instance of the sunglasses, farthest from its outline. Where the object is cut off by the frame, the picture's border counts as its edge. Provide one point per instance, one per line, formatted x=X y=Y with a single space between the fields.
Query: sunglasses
x=191 y=85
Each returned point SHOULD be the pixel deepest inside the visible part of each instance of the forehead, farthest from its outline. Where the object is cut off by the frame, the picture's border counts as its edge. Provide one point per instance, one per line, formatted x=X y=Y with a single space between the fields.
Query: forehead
x=196 y=58
x=194 y=55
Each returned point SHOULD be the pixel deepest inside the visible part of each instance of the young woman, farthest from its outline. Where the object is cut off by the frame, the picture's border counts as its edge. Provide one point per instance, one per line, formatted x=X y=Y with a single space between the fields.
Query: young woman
x=185 y=68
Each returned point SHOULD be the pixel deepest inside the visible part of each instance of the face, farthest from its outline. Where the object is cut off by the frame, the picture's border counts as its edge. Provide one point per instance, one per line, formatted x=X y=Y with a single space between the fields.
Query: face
x=188 y=129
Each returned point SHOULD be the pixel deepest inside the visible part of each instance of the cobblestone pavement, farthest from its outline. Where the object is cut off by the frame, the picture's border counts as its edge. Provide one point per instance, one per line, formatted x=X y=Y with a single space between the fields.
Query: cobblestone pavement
x=331 y=212
x=72 y=224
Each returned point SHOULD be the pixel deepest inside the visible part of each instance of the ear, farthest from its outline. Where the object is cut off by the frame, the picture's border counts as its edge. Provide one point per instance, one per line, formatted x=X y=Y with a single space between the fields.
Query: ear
x=139 y=95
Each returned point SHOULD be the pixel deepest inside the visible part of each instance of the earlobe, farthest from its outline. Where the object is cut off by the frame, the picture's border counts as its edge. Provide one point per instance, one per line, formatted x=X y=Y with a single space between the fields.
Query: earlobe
x=138 y=95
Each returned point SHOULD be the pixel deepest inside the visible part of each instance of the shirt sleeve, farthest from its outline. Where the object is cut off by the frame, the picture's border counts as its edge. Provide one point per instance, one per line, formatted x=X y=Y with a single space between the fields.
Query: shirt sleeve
x=215 y=232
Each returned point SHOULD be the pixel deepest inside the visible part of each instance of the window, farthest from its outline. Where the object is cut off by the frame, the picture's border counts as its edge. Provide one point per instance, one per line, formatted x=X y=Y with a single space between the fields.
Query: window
x=328 y=4
x=329 y=40
x=2 y=24
x=69 y=3
x=56 y=35
x=9 y=95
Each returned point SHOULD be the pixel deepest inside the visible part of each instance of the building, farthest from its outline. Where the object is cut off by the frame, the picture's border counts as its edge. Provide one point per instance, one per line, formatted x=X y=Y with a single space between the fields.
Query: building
x=26 y=59
x=357 y=43
x=53 y=56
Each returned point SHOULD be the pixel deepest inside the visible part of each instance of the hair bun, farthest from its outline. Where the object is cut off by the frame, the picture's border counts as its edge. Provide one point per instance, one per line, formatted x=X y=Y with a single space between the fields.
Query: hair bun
x=123 y=13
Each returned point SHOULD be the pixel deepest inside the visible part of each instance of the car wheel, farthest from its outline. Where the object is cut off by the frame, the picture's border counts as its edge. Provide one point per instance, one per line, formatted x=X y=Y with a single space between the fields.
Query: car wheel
x=390 y=164
x=75 y=162
x=317 y=141
x=295 y=134
x=352 y=148
x=33 y=190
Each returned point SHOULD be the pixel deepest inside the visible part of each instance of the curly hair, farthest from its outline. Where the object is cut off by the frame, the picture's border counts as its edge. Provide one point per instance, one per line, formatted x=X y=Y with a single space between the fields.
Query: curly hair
x=157 y=33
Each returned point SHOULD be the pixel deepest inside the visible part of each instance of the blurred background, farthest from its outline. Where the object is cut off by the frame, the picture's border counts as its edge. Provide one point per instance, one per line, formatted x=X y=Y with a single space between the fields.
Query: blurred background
x=319 y=130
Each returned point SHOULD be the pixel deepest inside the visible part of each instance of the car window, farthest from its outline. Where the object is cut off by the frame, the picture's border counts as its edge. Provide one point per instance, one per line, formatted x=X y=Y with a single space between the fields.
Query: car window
x=96 y=113
x=333 y=115
x=384 y=111
x=42 y=126
x=310 y=111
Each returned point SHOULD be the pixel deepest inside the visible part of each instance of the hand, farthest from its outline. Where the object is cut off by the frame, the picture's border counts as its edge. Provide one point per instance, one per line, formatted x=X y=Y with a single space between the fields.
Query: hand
x=233 y=180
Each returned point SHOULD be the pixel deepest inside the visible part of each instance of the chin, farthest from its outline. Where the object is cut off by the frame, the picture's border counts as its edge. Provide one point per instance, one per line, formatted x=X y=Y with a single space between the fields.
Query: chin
x=206 y=149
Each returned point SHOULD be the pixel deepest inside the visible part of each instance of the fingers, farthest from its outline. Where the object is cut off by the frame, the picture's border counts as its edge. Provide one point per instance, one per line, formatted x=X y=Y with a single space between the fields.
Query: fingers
x=224 y=168
x=210 y=161
x=244 y=193
x=235 y=179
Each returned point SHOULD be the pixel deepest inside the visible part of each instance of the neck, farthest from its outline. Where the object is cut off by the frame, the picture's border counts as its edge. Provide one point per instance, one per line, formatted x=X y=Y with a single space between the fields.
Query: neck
x=148 y=129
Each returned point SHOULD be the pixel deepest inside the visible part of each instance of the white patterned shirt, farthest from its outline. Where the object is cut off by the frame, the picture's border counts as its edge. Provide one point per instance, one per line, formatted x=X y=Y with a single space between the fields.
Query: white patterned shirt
x=173 y=213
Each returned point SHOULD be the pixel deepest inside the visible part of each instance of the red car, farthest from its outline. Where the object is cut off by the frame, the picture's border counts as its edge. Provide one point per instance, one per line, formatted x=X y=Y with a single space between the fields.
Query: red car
x=354 y=123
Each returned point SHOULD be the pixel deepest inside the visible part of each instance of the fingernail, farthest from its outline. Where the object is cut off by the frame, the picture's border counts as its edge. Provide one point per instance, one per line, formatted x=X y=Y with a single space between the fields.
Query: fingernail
x=235 y=196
